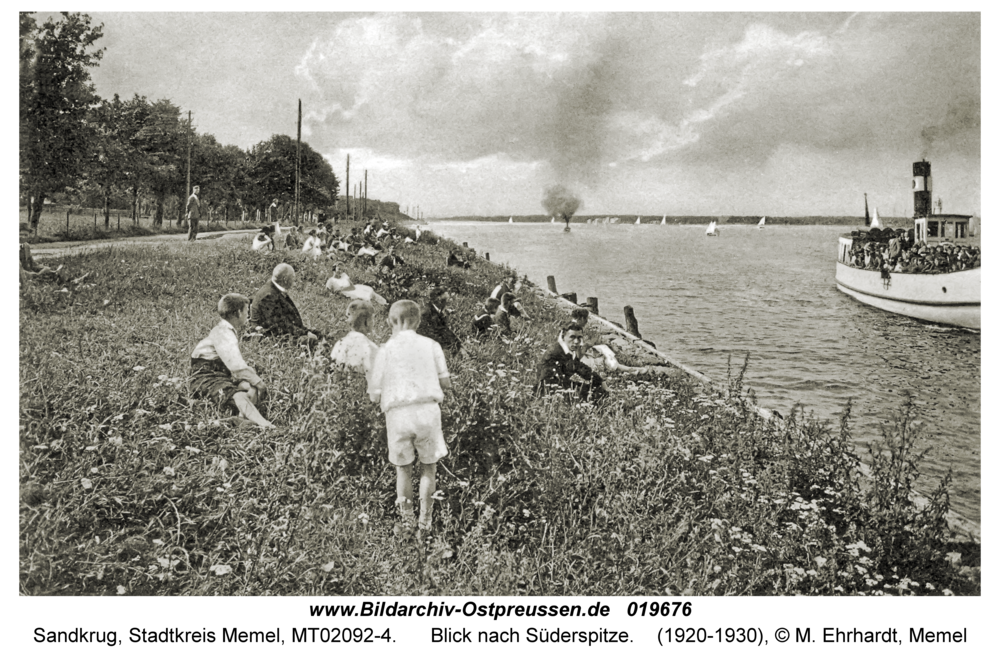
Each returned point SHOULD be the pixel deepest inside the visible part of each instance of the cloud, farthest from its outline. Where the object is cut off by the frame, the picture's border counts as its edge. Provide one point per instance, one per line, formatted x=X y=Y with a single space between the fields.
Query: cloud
x=569 y=97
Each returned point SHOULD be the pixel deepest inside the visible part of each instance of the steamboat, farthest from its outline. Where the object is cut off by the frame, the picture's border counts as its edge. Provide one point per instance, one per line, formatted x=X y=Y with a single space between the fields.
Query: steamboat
x=929 y=272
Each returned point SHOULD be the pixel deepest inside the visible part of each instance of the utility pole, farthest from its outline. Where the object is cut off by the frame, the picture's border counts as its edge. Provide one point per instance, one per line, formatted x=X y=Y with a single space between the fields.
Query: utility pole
x=365 y=211
x=188 y=193
x=298 y=150
x=347 y=188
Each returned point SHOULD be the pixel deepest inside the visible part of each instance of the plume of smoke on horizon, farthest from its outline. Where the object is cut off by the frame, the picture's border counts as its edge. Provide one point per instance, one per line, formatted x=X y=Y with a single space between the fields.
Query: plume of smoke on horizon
x=963 y=114
x=560 y=200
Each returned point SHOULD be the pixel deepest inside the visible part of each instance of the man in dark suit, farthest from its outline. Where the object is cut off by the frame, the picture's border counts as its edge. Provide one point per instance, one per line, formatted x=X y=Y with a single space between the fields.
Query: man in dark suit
x=433 y=323
x=193 y=213
x=275 y=313
x=562 y=369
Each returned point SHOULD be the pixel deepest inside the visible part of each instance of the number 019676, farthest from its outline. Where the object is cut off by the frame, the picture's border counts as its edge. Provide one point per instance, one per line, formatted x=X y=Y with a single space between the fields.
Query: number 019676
x=659 y=609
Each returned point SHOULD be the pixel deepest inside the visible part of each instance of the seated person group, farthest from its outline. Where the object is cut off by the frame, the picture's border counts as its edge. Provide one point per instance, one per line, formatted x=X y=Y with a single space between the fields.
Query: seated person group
x=407 y=376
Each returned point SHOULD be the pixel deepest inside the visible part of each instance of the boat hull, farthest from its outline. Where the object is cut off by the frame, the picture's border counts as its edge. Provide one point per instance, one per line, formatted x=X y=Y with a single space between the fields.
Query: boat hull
x=946 y=298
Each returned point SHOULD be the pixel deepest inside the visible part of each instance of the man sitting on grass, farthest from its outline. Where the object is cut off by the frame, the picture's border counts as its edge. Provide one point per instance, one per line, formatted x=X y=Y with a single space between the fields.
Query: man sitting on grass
x=275 y=313
x=433 y=323
x=506 y=309
x=355 y=351
x=483 y=321
x=218 y=370
x=562 y=369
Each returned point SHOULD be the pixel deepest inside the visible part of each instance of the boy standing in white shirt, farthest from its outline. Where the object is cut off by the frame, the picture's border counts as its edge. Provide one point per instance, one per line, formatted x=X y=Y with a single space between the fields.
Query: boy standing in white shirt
x=355 y=351
x=408 y=379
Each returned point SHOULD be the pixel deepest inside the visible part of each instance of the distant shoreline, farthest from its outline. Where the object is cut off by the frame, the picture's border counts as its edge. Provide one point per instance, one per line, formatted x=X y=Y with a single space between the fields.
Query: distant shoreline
x=682 y=220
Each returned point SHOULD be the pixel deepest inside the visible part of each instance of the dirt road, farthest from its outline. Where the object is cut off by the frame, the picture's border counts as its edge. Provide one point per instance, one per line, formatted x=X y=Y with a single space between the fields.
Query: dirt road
x=49 y=250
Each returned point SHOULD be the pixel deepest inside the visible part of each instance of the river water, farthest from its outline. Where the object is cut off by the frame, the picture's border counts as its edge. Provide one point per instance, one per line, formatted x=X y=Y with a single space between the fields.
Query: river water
x=771 y=294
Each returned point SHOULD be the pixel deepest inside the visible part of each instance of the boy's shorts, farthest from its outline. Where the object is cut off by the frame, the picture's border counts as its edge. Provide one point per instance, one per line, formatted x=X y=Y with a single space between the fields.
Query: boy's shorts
x=415 y=429
x=210 y=379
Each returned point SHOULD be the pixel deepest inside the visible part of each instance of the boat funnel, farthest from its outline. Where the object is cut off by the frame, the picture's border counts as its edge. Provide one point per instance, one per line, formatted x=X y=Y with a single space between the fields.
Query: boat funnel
x=922 y=205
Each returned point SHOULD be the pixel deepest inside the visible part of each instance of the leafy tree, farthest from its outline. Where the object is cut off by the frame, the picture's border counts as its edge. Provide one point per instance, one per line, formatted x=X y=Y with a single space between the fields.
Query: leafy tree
x=55 y=96
x=271 y=174
x=162 y=139
x=222 y=171
x=117 y=159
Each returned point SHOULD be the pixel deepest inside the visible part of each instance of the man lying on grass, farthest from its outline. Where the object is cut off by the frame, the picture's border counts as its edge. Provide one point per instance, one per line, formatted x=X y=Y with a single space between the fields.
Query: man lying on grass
x=218 y=370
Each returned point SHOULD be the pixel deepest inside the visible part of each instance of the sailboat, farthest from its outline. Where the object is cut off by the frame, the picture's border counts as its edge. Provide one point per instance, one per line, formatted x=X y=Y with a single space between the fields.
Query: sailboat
x=511 y=221
x=664 y=221
x=553 y=220
x=711 y=231
x=637 y=220
x=760 y=225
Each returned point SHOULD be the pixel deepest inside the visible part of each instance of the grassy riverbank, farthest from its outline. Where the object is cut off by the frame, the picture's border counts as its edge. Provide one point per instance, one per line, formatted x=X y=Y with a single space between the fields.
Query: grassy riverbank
x=129 y=488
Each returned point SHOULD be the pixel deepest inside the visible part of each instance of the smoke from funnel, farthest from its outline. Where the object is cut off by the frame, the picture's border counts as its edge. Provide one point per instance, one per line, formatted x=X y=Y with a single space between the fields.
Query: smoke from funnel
x=963 y=114
x=560 y=201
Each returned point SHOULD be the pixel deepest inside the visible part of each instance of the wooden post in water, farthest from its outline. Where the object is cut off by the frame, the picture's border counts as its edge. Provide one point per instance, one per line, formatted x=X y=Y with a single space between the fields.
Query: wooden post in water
x=552 y=284
x=592 y=304
x=487 y=256
x=465 y=244
x=570 y=297
x=631 y=324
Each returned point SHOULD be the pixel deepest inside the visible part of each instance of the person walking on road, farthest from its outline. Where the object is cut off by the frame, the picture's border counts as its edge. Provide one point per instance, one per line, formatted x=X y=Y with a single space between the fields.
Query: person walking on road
x=193 y=213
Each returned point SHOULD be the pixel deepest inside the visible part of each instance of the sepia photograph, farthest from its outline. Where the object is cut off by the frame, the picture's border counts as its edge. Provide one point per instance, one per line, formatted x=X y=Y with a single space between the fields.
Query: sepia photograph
x=445 y=307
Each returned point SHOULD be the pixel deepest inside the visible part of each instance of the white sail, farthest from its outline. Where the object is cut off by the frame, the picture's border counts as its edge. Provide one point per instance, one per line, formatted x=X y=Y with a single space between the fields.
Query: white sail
x=875 y=222
x=760 y=225
x=664 y=221
x=637 y=220
x=553 y=219
x=711 y=228
x=511 y=220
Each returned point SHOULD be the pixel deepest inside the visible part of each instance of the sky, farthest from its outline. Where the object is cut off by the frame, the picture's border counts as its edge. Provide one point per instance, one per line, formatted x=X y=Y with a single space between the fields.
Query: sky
x=786 y=114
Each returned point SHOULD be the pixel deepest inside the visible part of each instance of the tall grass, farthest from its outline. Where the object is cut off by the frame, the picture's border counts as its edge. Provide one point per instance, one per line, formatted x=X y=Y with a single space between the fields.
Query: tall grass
x=128 y=486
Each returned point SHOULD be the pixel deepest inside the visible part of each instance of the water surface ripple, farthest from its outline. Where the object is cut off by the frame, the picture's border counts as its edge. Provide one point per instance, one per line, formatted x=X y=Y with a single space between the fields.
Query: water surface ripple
x=770 y=294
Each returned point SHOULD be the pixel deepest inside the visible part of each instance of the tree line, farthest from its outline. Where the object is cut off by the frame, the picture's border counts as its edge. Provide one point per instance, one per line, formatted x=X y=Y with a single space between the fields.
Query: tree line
x=134 y=153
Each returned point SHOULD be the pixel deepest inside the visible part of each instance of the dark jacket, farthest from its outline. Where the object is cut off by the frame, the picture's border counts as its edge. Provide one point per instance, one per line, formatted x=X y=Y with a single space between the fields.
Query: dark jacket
x=434 y=325
x=482 y=322
x=276 y=313
x=556 y=371
x=193 y=207
x=501 y=320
